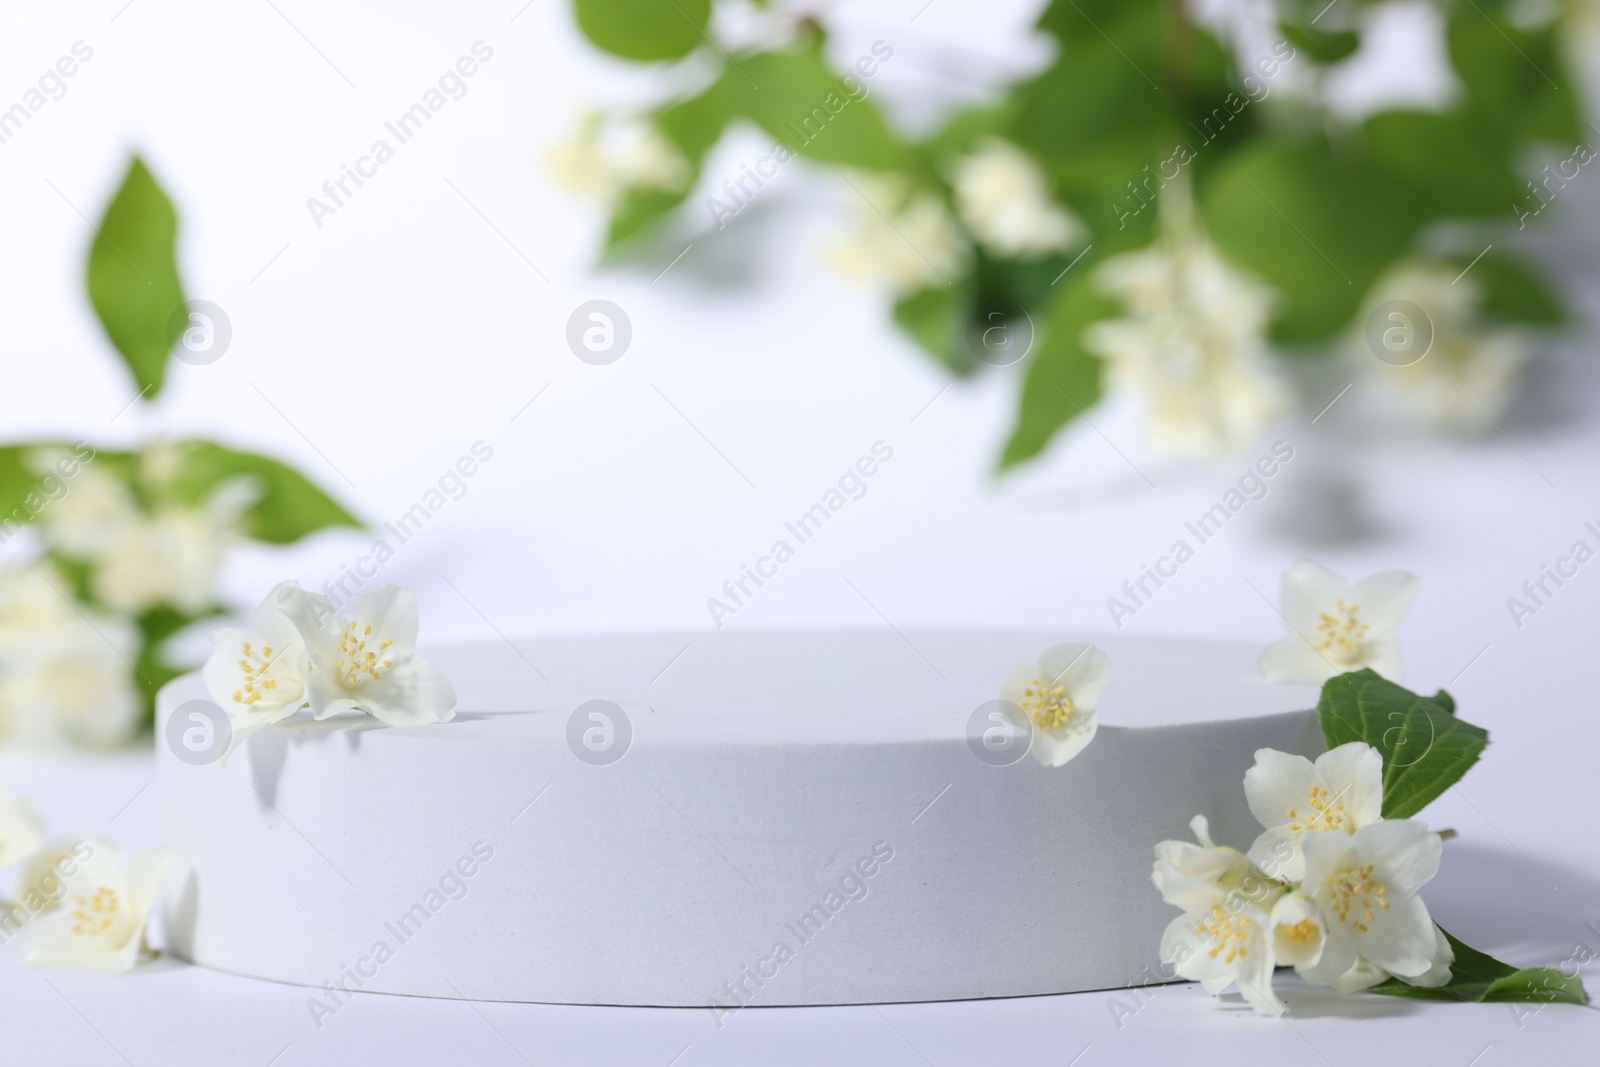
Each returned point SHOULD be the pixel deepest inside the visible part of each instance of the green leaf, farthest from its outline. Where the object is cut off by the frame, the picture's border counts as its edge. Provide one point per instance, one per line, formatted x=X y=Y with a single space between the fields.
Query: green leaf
x=152 y=669
x=1321 y=46
x=962 y=132
x=1513 y=293
x=1136 y=96
x=27 y=489
x=290 y=506
x=638 y=212
x=1444 y=160
x=644 y=29
x=23 y=493
x=798 y=100
x=1063 y=379
x=1478 y=977
x=1425 y=748
x=938 y=319
x=1012 y=285
x=133 y=275
x=1105 y=79
x=1516 y=82
x=693 y=125
x=1316 y=225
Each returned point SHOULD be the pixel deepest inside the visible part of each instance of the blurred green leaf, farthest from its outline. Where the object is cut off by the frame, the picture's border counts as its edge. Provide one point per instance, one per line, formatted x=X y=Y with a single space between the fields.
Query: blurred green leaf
x=22 y=496
x=1321 y=46
x=290 y=506
x=133 y=275
x=961 y=133
x=1102 y=91
x=1317 y=226
x=1134 y=98
x=644 y=29
x=1444 y=160
x=1513 y=293
x=938 y=318
x=1477 y=977
x=1010 y=286
x=1516 y=82
x=1425 y=748
x=796 y=99
x=1063 y=379
x=25 y=490
x=693 y=126
x=152 y=668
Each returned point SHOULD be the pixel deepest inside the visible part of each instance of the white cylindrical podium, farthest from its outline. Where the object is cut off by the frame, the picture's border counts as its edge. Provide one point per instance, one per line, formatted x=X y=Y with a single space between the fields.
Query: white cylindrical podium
x=771 y=819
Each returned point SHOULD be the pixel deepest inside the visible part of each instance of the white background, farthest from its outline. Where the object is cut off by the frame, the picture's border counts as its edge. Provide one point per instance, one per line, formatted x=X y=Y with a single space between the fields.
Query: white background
x=431 y=309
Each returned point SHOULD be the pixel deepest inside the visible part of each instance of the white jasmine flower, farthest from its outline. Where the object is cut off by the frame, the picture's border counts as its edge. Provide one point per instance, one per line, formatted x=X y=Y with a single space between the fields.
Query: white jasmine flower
x=1361 y=975
x=646 y=159
x=259 y=677
x=367 y=661
x=1298 y=931
x=96 y=510
x=160 y=463
x=1194 y=876
x=1470 y=372
x=41 y=880
x=1335 y=628
x=65 y=672
x=72 y=682
x=605 y=160
x=1193 y=343
x=1226 y=935
x=174 y=556
x=21 y=832
x=32 y=598
x=1004 y=200
x=1292 y=797
x=1058 y=696
x=1225 y=944
x=1365 y=886
x=1364 y=974
x=903 y=236
x=97 y=922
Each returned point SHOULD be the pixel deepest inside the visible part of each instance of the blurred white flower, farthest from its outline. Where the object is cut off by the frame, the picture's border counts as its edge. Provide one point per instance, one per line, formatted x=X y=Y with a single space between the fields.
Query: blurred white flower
x=72 y=683
x=1058 y=696
x=173 y=557
x=65 y=672
x=1335 y=627
x=367 y=661
x=1469 y=374
x=98 y=921
x=606 y=159
x=902 y=237
x=160 y=462
x=41 y=881
x=32 y=598
x=259 y=677
x=96 y=510
x=21 y=832
x=1193 y=343
x=1004 y=200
